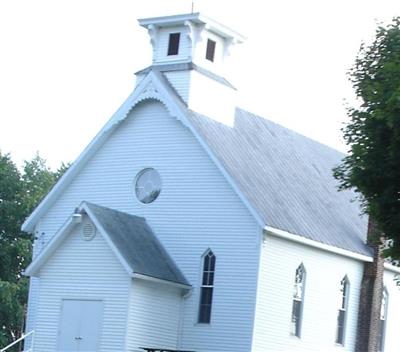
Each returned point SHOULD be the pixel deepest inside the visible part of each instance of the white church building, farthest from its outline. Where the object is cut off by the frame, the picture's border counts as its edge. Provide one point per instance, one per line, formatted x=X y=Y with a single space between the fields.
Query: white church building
x=189 y=224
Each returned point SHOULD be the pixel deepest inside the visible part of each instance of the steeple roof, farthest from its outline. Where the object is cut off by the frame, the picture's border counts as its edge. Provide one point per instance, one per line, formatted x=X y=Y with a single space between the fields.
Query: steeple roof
x=195 y=18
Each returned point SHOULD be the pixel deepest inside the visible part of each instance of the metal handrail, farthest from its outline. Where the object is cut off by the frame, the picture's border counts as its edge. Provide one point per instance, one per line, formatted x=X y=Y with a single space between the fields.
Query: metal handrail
x=18 y=340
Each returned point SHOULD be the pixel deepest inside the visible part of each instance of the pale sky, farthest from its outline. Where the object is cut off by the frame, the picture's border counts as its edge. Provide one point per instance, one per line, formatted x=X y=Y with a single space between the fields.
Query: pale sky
x=66 y=66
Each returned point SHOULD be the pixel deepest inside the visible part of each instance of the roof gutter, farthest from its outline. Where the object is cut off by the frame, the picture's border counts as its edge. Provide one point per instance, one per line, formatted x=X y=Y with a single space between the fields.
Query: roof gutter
x=315 y=244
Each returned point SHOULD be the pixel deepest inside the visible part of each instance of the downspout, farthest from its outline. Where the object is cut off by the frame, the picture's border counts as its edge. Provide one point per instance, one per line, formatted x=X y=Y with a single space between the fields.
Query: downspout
x=185 y=295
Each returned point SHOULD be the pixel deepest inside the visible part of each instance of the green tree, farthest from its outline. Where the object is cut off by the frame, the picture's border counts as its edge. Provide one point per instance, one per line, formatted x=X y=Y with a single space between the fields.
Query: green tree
x=372 y=167
x=20 y=192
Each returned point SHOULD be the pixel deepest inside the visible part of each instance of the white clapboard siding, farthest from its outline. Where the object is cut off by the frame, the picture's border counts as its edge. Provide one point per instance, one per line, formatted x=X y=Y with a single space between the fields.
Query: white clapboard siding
x=154 y=314
x=392 y=333
x=81 y=270
x=33 y=296
x=197 y=209
x=34 y=286
x=161 y=49
x=324 y=271
x=180 y=80
x=199 y=58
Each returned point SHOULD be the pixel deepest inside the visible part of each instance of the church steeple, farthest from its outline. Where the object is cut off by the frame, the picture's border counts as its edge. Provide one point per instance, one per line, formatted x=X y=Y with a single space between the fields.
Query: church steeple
x=191 y=51
x=190 y=38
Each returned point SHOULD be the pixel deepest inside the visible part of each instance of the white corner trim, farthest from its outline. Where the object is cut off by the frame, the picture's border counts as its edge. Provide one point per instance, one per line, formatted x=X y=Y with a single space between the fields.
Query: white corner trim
x=47 y=251
x=325 y=247
x=160 y=281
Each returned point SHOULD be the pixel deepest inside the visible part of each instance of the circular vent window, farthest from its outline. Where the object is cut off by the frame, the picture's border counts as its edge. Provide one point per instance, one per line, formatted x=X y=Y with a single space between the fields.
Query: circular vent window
x=148 y=185
x=88 y=231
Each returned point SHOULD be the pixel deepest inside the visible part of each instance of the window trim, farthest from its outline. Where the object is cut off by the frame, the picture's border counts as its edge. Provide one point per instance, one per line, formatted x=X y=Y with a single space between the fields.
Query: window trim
x=210 y=49
x=383 y=323
x=203 y=287
x=173 y=44
x=299 y=325
x=138 y=189
x=344 y=299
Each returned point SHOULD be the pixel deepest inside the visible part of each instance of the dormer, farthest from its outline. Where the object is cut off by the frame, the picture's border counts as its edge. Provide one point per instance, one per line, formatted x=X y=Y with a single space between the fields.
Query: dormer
x=190 y=38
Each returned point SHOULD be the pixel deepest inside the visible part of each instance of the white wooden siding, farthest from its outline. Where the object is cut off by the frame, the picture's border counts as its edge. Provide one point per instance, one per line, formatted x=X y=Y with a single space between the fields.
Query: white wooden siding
x=34 y=286
x=81 y=270
x=201 y=49
x=392 y=335
x=324 y=271
x=180 y=80
x=161 y=50
x=154 y=314
x=197 y=209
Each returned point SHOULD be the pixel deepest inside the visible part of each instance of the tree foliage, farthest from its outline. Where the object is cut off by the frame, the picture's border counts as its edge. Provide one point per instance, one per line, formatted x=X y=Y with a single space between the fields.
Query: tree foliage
x=20 y=192
x=373 y=134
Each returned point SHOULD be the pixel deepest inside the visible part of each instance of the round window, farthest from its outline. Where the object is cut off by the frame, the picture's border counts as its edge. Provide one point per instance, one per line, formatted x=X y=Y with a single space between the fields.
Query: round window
x=148 y=185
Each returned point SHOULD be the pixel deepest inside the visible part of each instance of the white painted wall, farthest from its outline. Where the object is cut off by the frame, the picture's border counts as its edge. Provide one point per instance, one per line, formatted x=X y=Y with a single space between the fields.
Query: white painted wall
x=161 y=46
x=34 y=286
x=219 y=57
x=154 y=316
x=190 y=51
x=280 y=259
x=212 y=99
x=392 y=336
x=180 y=80
x=196 y=209
x=205 y=95
x=81 y=270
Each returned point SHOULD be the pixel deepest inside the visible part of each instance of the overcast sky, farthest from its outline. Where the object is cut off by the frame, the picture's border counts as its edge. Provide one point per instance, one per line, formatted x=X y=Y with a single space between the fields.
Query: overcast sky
x=66 y=66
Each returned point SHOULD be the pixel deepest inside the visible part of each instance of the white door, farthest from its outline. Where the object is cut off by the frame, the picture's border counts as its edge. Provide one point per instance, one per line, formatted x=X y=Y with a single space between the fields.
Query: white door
x=80 y=326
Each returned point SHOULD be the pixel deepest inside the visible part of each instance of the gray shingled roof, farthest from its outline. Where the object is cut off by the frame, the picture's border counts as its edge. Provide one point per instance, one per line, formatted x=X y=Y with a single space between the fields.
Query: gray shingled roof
x=287 y=178
x=137 y=244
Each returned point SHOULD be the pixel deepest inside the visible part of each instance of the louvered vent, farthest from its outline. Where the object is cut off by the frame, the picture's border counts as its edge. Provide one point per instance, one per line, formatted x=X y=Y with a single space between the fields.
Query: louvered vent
x=88 y=231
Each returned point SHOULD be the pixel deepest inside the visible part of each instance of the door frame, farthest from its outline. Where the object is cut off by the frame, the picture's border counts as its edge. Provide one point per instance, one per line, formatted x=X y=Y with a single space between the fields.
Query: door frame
x=74 y=298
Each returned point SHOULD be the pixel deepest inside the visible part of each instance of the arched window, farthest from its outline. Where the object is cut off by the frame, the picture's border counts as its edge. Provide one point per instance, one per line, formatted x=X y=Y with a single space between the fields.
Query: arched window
x=383 y=318
x=207 y=287
x=298 y=299
x=342 y=310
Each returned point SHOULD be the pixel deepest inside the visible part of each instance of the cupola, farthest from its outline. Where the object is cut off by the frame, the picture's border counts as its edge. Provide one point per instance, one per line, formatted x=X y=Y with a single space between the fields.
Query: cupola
x=191 y=50
x=190 y=38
